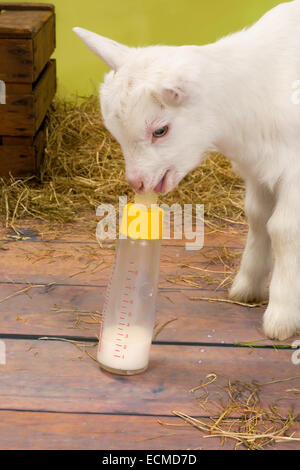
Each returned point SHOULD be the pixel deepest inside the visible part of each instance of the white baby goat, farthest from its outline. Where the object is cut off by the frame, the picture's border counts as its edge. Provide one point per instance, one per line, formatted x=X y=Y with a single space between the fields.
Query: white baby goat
x=169 y=106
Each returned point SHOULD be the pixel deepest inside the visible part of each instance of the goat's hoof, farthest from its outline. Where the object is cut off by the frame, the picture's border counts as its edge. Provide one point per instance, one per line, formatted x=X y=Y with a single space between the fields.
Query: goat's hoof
x=280 y=324
x=243 y=290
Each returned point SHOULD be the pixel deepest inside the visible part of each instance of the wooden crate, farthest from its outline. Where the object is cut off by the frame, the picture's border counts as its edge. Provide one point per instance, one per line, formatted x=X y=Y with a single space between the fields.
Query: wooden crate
x=27 y=84
x=27 y=40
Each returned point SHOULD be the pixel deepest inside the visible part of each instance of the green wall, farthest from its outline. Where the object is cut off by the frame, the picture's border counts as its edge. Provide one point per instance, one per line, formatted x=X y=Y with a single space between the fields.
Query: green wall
x=141 y=22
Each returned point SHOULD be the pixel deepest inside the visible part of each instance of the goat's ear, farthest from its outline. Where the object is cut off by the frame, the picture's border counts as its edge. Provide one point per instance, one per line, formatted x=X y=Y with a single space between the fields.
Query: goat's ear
x=111 y=52
x=173 y=96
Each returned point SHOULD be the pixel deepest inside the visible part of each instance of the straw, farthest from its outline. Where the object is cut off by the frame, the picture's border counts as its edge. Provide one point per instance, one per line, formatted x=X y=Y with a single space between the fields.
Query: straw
x=239 y=414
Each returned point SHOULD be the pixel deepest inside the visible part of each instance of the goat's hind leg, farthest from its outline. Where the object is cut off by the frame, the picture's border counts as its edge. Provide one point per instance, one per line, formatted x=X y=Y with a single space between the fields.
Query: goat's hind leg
x=282 y=317
x=250 y=282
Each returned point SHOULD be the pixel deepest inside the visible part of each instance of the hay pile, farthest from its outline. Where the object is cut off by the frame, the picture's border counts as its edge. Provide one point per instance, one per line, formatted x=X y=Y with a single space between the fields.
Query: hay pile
x=83 y=167
x=237 y=414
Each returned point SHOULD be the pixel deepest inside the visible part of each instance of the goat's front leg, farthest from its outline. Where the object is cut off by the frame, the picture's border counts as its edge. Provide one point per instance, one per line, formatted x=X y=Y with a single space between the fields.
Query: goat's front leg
x=282 y=317
x=250 y=282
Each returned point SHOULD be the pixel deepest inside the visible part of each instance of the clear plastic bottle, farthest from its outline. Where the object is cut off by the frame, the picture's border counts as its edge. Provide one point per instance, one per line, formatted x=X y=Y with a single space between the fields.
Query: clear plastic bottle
x=129 y=309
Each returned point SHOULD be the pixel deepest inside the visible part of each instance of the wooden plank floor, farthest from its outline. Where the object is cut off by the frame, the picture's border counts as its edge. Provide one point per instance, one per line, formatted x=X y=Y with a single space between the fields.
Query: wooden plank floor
x=53 y=394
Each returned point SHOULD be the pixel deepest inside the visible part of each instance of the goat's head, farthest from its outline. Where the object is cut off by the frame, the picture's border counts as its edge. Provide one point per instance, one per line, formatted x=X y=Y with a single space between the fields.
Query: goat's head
x=149 y=104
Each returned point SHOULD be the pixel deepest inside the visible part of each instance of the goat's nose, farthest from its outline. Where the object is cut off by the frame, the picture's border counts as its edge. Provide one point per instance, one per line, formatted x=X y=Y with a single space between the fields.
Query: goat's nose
x=137 y=184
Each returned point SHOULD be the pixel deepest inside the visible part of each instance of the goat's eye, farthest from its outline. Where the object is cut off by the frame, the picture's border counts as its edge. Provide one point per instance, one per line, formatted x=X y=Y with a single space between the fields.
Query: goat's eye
x=160 y=132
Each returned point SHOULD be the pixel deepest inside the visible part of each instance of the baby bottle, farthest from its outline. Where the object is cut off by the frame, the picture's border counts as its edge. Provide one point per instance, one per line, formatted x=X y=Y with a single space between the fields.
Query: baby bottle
x=129 y=309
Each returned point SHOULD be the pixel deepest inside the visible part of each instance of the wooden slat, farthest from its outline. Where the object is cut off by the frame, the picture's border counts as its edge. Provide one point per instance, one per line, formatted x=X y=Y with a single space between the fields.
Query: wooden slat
x=22 y=22
x=73 y=432
x=80 y=232
x=18 y=115
x=56 y=376
x=59 y=431
x=22 y=159
x=39 y=144
x=17 y=140
x=17 y=55
x=44 y=92
x=18 y=88
x=23 y=114
x=43 y=46
x=68 y=311
x=89 y=264
x=26 y=6
x=17 y=160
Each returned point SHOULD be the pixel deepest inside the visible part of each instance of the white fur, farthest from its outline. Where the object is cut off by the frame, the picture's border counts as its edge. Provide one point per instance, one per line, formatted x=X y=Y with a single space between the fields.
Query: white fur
x=234 y=97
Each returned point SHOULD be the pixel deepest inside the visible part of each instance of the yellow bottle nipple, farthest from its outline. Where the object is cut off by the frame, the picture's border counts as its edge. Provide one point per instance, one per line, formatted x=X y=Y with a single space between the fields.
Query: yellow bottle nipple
x=143 y=220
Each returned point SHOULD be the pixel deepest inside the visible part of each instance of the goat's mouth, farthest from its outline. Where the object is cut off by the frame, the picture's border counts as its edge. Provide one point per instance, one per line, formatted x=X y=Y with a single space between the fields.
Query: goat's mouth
x=162 y=186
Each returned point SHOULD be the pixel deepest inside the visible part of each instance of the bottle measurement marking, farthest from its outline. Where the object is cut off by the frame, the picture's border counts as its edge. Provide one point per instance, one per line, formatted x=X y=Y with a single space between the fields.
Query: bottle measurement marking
x=126 y=303
x=106 y=300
